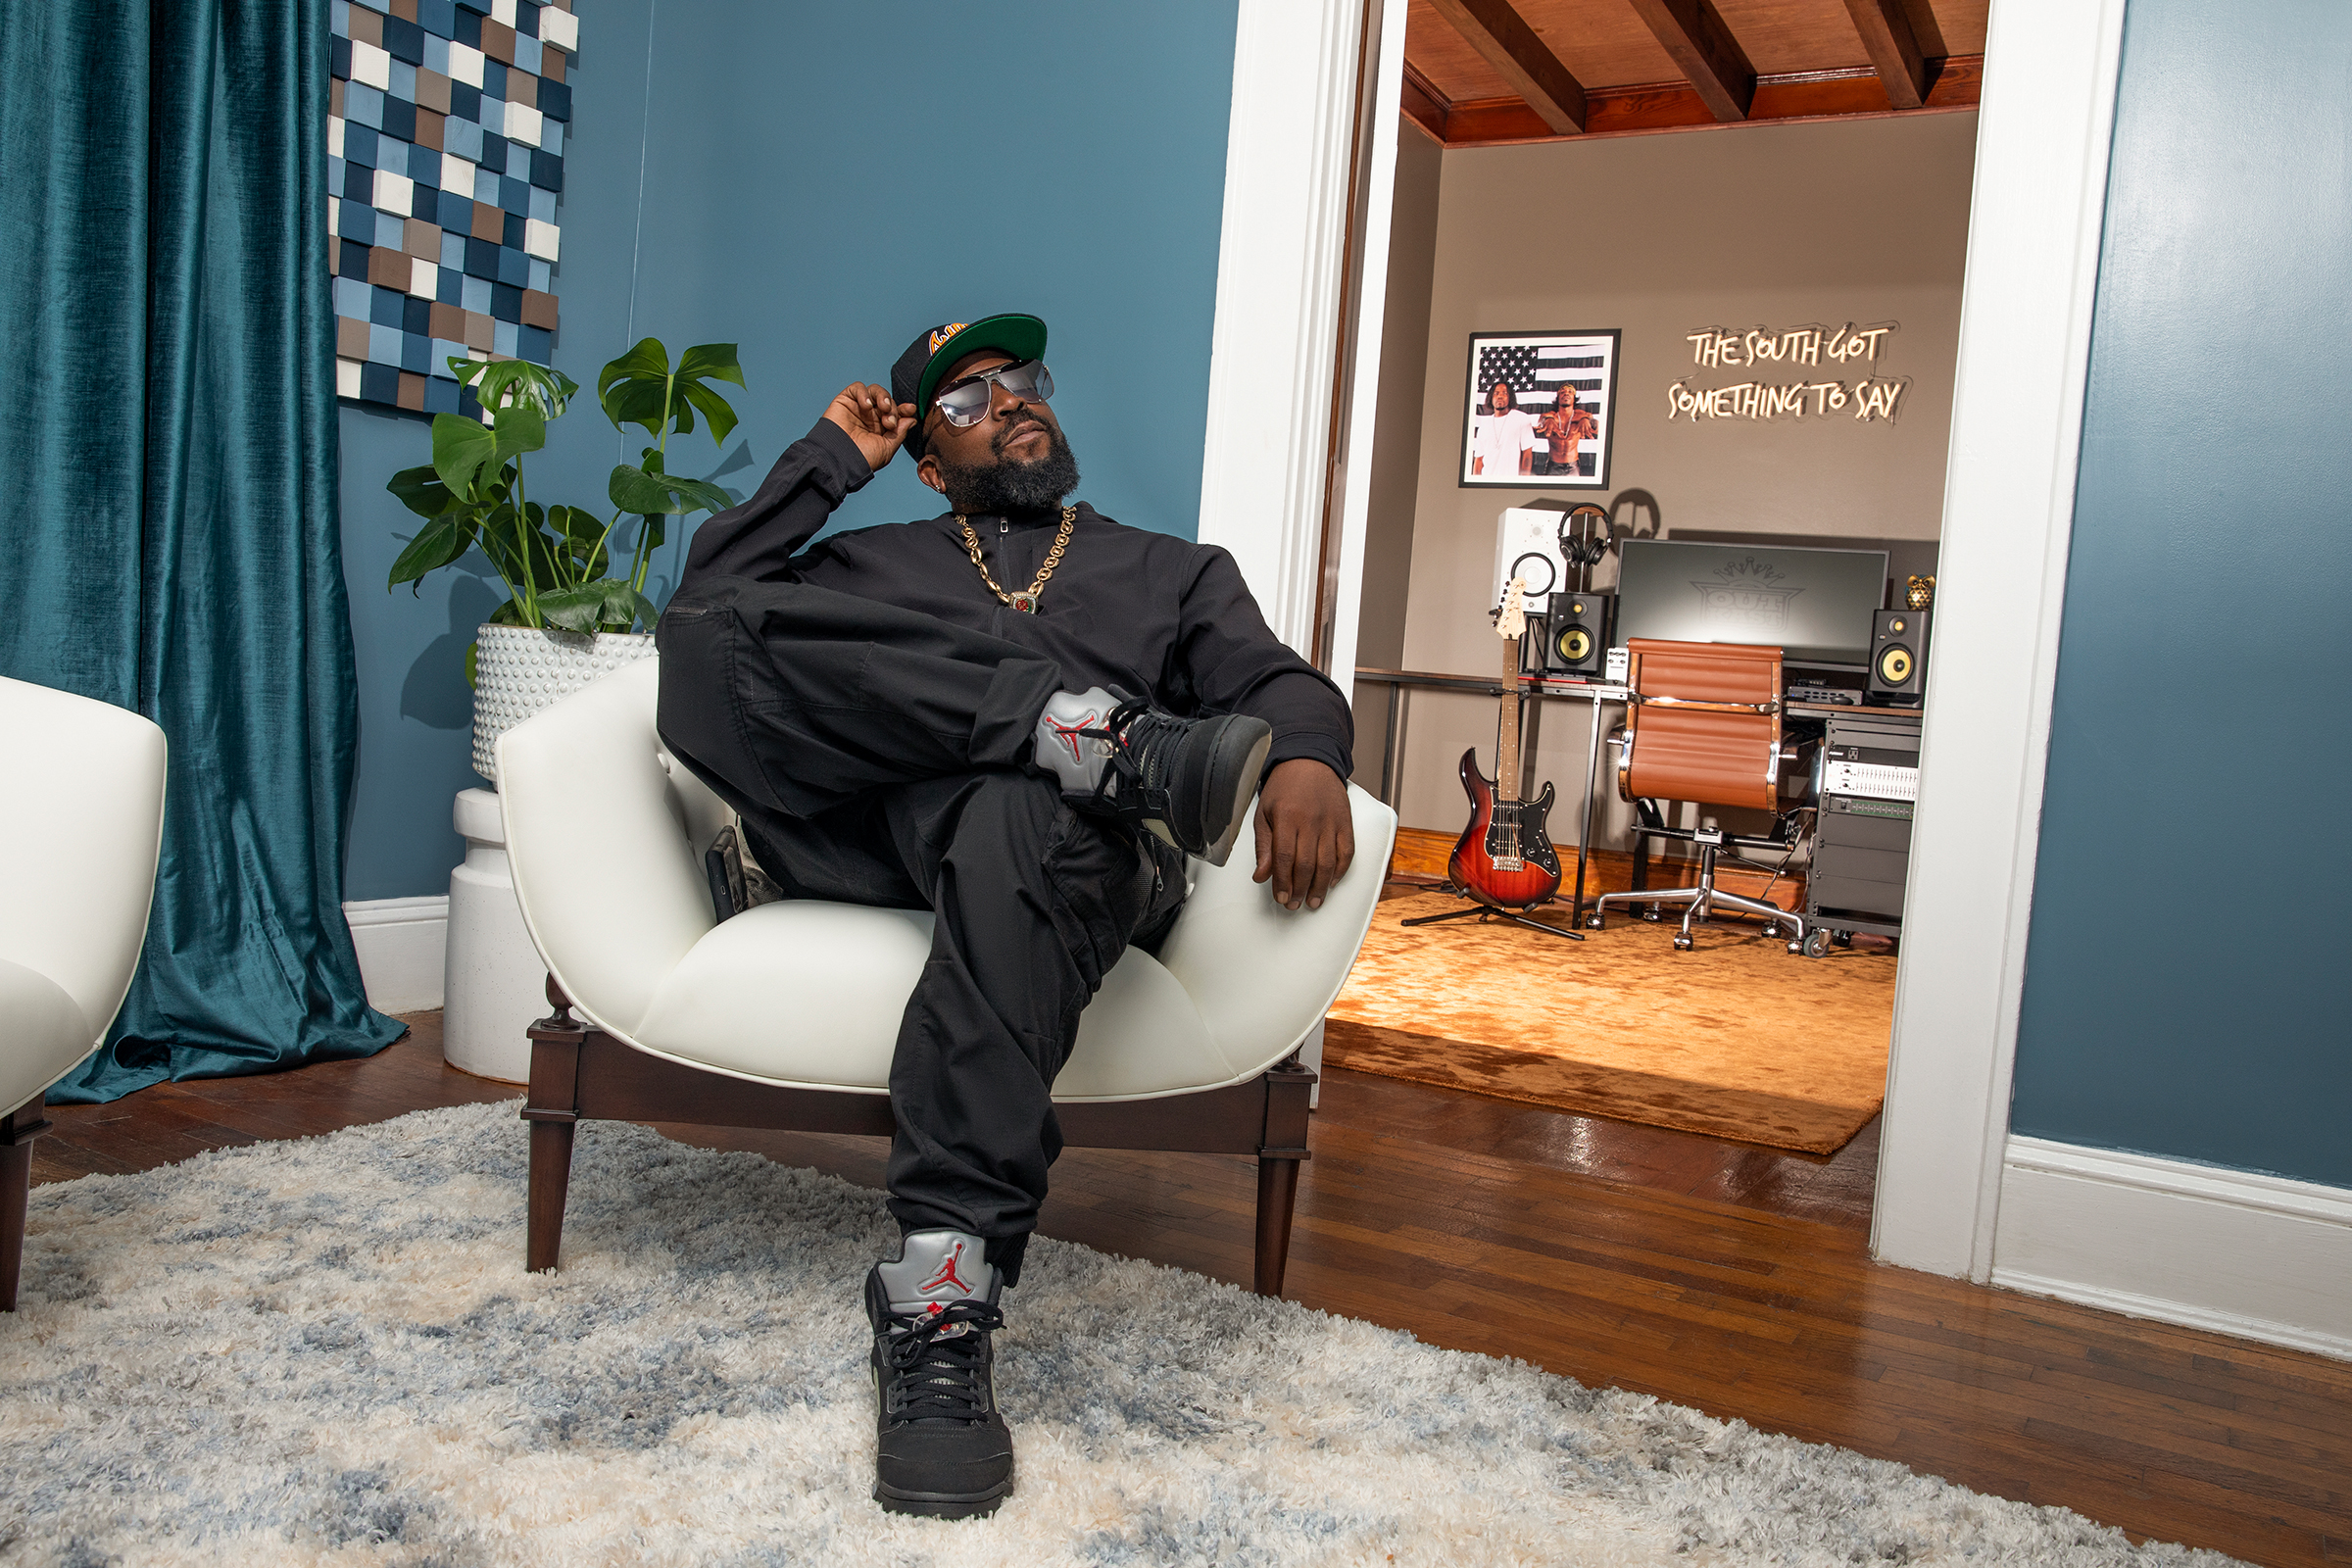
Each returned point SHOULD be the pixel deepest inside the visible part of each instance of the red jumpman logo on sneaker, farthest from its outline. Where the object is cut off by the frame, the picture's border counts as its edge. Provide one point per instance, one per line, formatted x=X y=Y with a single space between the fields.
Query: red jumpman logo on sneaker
x=1070 y=732
x=946 y=1275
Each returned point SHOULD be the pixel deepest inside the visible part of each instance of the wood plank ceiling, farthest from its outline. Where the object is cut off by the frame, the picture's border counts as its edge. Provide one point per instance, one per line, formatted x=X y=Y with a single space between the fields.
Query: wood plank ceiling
x=1484 y=73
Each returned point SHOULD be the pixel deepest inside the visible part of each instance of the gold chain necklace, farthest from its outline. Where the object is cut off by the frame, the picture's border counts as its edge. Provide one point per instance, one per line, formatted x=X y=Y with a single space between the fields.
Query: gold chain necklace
x=1025 y=601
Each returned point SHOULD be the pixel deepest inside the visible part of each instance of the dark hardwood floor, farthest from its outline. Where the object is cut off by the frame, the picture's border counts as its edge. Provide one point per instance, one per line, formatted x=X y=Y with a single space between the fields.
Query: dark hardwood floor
x=1728 y=1277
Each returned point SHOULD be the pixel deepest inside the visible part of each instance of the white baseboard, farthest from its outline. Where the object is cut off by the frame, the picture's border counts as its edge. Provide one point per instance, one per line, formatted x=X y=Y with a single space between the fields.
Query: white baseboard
x=401 y=943
x=2260 y=1257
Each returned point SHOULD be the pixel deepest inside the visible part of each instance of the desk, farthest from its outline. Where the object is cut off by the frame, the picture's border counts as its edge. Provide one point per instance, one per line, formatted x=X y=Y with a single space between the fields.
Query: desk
x=1908 y=715
x=1536 y=688
x=1859 y=849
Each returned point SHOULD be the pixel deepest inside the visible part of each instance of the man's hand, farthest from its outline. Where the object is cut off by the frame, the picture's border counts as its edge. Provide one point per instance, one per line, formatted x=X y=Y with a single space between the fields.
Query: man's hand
x=1306 y=832
x=868 y=417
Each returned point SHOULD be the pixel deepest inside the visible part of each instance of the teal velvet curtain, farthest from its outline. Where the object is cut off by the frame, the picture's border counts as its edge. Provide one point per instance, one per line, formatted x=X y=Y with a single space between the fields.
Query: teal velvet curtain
x=166 y=387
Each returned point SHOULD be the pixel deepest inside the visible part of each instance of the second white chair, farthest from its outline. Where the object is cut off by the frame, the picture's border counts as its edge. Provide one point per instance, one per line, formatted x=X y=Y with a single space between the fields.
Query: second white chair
x=81 y=822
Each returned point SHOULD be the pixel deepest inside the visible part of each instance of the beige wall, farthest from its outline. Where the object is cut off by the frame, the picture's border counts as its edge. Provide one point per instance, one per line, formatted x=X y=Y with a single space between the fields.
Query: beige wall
x=1396 y=437
x=1764 y=225
x=1396 y=423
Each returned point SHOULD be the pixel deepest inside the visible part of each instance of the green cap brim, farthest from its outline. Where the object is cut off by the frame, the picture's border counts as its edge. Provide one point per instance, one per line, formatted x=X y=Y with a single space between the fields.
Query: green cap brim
x=1021 y=336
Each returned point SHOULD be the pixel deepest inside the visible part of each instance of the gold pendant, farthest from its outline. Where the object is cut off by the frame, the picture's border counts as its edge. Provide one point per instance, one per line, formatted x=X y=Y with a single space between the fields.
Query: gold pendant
x=1026 y=604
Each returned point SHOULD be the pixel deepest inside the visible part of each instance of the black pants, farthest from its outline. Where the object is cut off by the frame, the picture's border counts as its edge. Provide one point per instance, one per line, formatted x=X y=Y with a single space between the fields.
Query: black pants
x=881 y=757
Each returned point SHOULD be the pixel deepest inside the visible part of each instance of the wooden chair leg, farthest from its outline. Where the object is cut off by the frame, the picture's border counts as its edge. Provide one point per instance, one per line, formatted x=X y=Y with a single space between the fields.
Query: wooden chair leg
x=1289 y=1090
x=1277 y=1192
x=16 y=1189
x=551 y=1182
x=551 y=1108
x=18 y=1129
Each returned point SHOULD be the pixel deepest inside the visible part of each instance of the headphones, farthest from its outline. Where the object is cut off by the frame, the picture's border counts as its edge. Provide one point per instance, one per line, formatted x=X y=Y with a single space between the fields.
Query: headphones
x=1595 y=543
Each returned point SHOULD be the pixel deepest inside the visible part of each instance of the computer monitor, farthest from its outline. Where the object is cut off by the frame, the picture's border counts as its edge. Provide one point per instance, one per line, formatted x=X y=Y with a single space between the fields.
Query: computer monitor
x=1816 y=603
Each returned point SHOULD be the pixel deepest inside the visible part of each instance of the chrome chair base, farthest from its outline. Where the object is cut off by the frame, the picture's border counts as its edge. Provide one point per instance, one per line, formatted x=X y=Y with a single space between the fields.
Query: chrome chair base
x=1699 y=904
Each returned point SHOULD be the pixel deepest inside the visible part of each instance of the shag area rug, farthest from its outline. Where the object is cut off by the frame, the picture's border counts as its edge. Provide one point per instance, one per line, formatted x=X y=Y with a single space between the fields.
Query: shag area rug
x=1735 y=1040
x=327 y=1352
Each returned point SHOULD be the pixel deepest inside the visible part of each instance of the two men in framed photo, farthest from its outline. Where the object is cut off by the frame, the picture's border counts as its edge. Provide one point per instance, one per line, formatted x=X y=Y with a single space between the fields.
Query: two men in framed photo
x=1540 y=409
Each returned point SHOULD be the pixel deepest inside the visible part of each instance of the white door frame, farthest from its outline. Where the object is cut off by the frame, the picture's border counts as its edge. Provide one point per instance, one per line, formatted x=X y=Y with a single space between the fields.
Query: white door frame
x=1352 y=469
x=2043 y=133
x=2044 y=127
x=1281 y=278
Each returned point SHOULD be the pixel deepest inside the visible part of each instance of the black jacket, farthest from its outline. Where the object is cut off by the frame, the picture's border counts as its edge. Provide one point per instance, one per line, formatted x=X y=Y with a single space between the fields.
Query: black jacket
x=1145 y=613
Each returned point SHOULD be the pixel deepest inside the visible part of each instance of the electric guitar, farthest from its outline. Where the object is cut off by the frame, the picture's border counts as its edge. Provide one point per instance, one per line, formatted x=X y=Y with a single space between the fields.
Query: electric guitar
x=1504 y=857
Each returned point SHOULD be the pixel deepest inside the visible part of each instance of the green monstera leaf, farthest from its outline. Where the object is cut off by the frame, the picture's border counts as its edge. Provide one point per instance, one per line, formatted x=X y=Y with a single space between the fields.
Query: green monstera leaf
x=607 y=605
x=642 y=388
x=518 y=427
x=500 y=384
x=582 y=535
x=440 y=542
x=635 y=490
x=421 y=491
x=462 y=449
x=699 y=367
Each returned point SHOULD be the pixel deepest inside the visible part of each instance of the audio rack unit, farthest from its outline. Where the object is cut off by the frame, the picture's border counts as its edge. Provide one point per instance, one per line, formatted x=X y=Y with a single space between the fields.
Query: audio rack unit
x=1869 y=782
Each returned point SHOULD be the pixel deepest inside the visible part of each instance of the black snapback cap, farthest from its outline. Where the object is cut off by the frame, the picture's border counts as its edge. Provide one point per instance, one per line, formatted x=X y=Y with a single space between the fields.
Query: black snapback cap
x=919 y=370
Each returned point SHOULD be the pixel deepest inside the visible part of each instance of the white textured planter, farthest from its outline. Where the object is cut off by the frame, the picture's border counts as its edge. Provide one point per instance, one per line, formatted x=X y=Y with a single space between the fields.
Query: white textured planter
x=519 y=670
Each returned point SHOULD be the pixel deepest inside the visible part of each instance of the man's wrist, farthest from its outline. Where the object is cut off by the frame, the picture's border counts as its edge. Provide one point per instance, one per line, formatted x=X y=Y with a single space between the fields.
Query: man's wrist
x=1302 y=750
x=848 y=463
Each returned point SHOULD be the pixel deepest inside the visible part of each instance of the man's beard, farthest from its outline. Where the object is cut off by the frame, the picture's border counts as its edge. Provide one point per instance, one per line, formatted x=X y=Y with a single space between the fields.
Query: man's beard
x=1011 y=484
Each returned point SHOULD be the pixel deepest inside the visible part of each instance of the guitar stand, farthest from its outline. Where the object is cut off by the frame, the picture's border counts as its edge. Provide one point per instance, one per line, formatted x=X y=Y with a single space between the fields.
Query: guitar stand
x=1488 y=911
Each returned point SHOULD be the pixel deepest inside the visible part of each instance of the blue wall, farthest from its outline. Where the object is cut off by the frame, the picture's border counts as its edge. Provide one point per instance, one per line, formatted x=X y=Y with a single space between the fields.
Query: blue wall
x=819 y=189
x=2192 y=929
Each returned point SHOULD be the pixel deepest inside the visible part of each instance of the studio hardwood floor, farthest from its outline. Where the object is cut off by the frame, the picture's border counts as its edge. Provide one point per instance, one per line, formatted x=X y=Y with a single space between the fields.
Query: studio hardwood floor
x=1731 y=1278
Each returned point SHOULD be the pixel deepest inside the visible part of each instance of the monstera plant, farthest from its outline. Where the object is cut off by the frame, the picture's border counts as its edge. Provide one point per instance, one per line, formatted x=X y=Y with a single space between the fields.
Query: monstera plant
x=558 y=560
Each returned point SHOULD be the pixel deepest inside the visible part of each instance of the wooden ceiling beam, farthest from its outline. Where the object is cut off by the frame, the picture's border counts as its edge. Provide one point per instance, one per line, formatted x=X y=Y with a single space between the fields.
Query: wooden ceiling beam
x=1508 y=45
x=1709 y=58
x=1424 y=105
x=1673 y=106
x=1893 y=49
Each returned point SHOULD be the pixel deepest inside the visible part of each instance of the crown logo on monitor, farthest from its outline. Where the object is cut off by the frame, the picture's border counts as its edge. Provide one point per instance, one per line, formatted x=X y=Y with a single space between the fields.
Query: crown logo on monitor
x=1742 y=598
x=1747 y=571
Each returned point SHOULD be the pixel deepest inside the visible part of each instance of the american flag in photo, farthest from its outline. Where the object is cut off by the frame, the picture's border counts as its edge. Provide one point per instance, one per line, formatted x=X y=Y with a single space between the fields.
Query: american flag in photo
x=1536 y=373
x=1576 y=367
x=1515 y=366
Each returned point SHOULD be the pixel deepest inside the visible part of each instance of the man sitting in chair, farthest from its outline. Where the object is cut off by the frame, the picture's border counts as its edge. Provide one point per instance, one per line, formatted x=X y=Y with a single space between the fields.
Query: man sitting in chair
x=1020 y=715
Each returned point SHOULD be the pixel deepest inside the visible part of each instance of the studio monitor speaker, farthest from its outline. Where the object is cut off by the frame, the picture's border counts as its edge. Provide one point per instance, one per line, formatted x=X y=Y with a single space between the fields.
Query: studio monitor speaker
x=1577 y=633
x=1530 y=645
x=1898 y=657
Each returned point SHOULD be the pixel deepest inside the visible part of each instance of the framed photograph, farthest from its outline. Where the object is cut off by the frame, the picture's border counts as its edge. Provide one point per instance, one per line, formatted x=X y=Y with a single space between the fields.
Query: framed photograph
x=1540 y=409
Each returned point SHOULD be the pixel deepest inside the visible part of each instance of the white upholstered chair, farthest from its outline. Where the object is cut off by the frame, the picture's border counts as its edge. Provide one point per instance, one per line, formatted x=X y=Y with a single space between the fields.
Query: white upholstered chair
x=785 y=1016
x=81 y=821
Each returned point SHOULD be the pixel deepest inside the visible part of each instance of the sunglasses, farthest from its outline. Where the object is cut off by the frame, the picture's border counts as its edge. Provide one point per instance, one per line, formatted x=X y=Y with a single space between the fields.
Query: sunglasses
x=965 y=403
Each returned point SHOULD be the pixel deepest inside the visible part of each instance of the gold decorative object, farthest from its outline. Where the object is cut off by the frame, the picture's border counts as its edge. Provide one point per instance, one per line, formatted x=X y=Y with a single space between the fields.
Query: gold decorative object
x=1918 y=592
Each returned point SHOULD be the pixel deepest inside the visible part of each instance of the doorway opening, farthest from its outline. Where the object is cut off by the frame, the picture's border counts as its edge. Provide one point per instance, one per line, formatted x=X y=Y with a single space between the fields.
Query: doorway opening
x=1754 y=304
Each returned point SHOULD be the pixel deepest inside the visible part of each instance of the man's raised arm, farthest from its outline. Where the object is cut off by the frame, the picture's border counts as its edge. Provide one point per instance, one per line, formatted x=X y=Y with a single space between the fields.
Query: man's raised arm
x=859 y=433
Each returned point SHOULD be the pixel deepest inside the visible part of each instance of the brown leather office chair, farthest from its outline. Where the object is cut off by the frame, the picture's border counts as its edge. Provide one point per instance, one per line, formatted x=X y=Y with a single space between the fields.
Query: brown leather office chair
x=1703 y=724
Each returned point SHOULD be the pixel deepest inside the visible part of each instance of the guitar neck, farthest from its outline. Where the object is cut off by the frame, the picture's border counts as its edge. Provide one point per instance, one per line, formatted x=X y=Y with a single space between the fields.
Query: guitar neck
x=1506 y=733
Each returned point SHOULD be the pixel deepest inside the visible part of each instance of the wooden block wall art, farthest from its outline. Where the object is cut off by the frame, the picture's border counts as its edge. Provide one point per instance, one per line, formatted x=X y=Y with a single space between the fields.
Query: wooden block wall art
x=446 y=123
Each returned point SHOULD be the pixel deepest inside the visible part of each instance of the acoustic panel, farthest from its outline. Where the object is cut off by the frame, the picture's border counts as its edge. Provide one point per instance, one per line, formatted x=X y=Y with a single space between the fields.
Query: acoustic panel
x=445 y=133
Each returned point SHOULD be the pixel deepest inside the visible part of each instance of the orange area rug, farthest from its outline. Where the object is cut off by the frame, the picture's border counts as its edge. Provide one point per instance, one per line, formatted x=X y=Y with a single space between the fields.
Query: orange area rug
x=1737 y=1039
